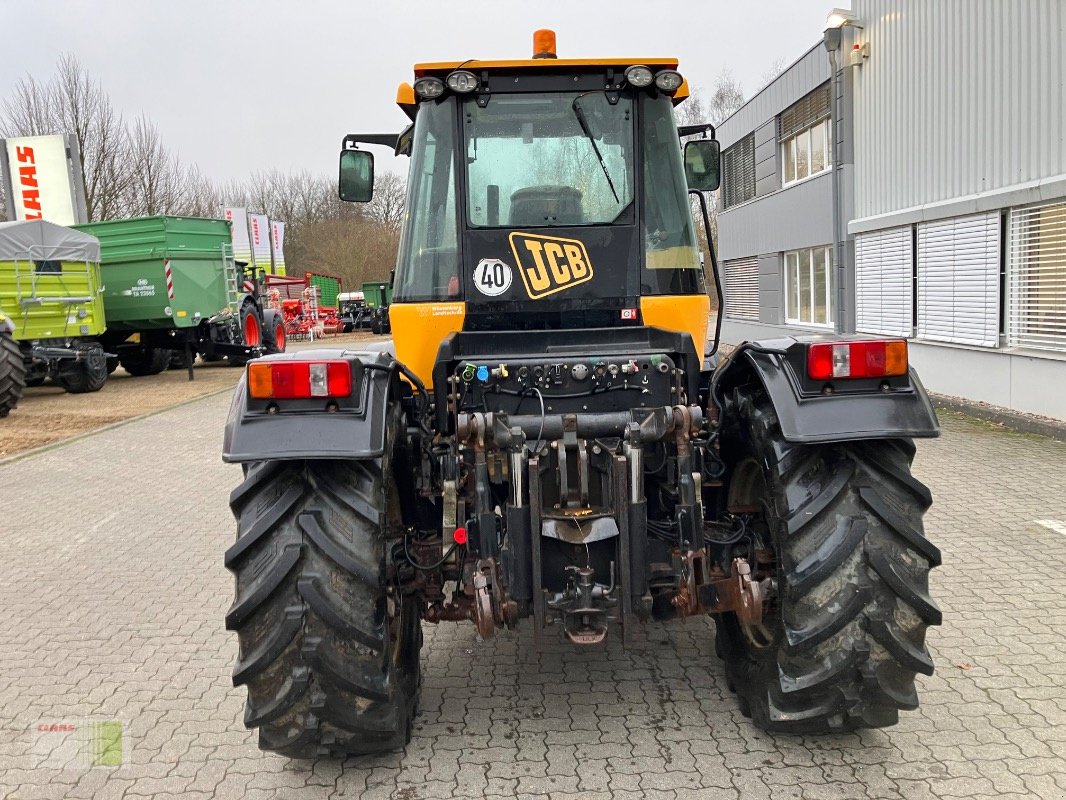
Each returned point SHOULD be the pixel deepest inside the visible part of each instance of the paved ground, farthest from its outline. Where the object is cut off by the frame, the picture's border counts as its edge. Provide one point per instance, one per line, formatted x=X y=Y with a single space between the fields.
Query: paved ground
x=47 y=414
x=112 y=593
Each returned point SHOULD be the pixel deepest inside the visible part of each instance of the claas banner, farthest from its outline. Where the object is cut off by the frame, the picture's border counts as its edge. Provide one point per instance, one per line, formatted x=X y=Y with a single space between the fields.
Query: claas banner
x=277 y=243
x=260 y=229
x=42 y=179
x=238 y=219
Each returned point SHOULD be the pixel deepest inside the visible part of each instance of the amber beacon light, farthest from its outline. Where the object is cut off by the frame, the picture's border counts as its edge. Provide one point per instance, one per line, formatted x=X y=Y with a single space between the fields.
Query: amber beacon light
x=544 y=43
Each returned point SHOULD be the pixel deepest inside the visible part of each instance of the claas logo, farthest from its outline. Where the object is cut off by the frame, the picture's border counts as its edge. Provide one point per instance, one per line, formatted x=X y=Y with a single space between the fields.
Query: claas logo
x=549 y=264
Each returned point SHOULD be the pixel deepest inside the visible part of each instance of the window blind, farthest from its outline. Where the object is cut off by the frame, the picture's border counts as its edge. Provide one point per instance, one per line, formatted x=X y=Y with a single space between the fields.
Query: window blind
x=958 y=279
x=738 y=168
x=742 y=288
x=1037 y=285
x=884 y=290
x=803 y=114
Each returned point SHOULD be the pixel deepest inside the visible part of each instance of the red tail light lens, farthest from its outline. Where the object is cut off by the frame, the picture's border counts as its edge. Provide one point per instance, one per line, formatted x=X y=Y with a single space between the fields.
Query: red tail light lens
x=299 y=380
x=828 y=361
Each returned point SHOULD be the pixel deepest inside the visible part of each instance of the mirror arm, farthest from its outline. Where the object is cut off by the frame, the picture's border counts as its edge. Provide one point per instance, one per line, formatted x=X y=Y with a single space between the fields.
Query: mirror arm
x=714 y=270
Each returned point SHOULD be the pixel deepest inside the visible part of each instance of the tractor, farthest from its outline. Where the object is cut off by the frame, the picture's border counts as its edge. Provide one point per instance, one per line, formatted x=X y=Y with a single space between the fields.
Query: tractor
x=550 y=438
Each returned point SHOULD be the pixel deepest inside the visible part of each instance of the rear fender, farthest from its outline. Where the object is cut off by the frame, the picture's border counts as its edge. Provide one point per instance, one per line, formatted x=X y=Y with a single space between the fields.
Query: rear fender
x=304 y=429
x=875 y=409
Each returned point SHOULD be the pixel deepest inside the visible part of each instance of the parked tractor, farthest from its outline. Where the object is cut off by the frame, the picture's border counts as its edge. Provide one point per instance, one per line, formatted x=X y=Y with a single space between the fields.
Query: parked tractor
x=378 y=297
x=51 y=296
x=550 y=438
x=12 y=368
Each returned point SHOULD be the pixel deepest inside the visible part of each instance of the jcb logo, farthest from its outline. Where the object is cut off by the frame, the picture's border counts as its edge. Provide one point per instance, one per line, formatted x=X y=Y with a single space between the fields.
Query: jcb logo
x=549 y=264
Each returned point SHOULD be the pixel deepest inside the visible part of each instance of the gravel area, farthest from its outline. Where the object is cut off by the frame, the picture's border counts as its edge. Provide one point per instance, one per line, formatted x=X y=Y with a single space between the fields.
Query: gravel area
x=47 y=414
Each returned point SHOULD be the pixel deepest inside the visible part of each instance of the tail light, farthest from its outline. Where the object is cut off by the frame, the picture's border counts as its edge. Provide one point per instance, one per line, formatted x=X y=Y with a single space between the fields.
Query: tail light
x=299 y=380
x=867 y=359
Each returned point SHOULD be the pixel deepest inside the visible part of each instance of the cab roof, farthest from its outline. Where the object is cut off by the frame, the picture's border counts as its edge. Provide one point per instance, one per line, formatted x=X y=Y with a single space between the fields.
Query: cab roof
x=541 y=64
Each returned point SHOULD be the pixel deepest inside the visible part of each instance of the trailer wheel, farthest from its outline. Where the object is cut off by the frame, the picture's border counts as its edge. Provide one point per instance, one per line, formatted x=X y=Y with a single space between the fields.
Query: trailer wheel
x=85 y=374
x=143 y=361
x=843 y=633
x=12 y=373
x=329 y=653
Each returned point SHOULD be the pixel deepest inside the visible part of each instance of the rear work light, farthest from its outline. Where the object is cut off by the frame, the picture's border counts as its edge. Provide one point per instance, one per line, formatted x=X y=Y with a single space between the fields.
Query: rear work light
x=299 y=380
x=827 y=361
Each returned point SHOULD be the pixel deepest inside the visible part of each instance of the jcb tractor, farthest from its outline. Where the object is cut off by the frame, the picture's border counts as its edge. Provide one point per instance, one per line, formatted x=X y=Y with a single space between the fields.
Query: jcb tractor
x=549 y=439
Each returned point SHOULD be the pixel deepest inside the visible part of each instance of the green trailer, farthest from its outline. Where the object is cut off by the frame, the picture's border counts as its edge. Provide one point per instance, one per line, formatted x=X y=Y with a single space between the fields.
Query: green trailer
x=329 y=286
x=172 y=285
x=378 y=298
x=51 y=309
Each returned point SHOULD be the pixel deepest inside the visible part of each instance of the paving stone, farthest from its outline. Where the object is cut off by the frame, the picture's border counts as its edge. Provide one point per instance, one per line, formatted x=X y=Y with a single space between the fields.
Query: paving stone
x=121 y=616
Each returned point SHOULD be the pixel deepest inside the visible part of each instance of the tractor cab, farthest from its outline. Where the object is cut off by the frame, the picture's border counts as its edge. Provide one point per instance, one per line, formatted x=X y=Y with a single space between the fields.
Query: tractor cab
x=544 y=194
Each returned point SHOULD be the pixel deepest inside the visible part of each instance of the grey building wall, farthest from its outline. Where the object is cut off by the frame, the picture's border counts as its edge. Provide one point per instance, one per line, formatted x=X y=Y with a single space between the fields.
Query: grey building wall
x=771 y=289
x=797 y=216
x=808 y=71
x=958 y=109
x=777 y=219
x=767 y=163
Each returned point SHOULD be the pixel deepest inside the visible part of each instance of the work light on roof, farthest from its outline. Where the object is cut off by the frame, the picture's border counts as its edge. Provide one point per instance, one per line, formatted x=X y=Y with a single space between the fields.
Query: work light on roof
x=639 y=76
x=461 y=81
x=668 y=81
x=429 y=88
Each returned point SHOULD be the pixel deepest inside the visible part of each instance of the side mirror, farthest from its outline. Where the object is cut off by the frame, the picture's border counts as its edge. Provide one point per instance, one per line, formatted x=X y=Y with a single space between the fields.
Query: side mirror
x=703 y=158
x=356 y=176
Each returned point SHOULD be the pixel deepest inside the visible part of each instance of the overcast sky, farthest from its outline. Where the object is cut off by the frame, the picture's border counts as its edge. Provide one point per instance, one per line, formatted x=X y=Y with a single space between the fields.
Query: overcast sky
x=241 y=85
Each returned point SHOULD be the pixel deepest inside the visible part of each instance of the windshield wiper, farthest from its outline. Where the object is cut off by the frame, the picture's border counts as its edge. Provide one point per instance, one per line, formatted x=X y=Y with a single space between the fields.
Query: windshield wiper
x=588 y=134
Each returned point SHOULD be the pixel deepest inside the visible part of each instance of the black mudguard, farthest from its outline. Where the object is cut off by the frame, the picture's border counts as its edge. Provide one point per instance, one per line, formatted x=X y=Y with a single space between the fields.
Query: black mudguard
x=865 y=409
x=301 y=429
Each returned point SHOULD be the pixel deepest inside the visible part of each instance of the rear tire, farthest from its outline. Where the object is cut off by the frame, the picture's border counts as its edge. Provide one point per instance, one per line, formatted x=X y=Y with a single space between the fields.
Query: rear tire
x=251 y=332
x=12 y=373
x=145 y=361
x=329 y=653
x=844 y=636
x=275 y=339
x=86 y=374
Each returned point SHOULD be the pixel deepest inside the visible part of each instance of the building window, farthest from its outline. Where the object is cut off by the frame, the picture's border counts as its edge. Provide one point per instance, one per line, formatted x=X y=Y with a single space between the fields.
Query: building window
x=806 y=138
x=884 y=281
x=1037 y=274
x=807 y=298
x=738 y=172
x=742 y=288
x=958 y=279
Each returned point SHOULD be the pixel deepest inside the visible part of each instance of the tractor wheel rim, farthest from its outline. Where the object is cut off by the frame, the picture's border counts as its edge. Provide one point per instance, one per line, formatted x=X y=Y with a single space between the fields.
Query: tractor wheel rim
x=279 y=336
x=251 y=330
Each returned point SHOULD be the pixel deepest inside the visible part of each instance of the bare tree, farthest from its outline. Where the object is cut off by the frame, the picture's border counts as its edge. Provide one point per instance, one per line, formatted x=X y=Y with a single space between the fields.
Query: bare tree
x=129 y=171
x=201 y=197
x=775 y=69
x=390 y=196
x=72 y=103
x=726 y=97
x=83 y=108
x=158 y=183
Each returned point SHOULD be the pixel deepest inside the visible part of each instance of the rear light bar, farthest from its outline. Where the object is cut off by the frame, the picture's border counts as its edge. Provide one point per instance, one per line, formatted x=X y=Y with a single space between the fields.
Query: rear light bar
x=299 y=380
x=866 y=359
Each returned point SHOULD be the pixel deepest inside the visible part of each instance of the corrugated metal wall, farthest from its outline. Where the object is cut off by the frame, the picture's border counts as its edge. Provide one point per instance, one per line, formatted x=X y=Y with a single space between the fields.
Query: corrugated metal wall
x=957 y=98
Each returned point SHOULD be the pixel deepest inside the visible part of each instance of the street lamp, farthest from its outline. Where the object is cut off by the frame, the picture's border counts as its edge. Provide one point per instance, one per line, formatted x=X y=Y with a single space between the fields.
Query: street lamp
x=838 y=19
